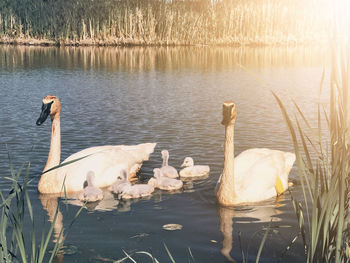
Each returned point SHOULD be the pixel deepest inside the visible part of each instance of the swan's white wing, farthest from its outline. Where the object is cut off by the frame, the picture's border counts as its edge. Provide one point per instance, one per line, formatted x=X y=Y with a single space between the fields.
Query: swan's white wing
x=195 y=171
x=141 y=151
x=169 y=171
x=165 y=183
x=201 y=170
x=105 y=161
x=257 y=172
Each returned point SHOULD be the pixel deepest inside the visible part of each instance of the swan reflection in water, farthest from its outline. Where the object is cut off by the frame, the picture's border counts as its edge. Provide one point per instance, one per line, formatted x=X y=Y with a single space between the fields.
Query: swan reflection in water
x=253 y=213
x=50 y=203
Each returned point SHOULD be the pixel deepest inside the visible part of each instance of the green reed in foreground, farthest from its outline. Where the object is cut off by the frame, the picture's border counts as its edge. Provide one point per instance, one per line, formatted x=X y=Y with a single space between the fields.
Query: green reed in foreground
x=15 y=207
x=324 y=169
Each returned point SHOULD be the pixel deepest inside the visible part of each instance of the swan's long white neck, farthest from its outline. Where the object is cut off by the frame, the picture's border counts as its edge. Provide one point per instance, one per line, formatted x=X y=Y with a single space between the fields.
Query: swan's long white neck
x=226 y=193
x=55 y=145
x=165 y=160
x=53 y=158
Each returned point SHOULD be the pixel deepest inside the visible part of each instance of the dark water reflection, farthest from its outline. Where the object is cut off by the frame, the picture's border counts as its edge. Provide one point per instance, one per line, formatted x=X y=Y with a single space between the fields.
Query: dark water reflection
x=172 y=96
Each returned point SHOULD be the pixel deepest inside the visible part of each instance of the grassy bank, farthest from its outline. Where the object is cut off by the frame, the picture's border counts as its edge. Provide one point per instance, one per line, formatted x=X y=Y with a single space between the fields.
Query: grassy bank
x=160 y=22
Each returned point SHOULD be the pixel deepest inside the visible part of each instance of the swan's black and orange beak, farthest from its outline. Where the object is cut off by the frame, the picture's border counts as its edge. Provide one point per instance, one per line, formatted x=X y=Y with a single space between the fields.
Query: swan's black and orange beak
x=45 y=112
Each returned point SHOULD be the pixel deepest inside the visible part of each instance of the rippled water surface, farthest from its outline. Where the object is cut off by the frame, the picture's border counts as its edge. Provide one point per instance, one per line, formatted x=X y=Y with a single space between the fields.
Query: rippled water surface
x=172 y=96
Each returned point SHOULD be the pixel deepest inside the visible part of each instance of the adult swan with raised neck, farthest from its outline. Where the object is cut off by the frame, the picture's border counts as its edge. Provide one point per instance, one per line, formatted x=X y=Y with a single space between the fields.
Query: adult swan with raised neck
x=255 y=174
x=105 y=162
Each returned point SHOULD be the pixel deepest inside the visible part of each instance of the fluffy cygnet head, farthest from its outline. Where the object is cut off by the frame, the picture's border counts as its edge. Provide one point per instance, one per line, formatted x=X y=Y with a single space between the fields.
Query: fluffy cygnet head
x=123 y=176
x=156 y=172
x=165 y=154
x=90 y=177
x=188 y=162
x=165 y=157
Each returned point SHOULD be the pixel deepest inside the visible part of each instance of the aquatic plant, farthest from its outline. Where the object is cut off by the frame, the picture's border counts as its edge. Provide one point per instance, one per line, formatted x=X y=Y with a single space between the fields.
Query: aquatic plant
x=323 y=166
x=132 y=256
x=15 y=208
x=150 y=255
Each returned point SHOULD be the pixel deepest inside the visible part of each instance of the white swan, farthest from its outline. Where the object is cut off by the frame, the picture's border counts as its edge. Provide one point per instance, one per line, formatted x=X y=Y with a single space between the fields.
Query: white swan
x=125 y=190
x=255 y=174
x=91 y=193
x=164 y=183
x=166 y=169
x=192 y=170
x=105 y=161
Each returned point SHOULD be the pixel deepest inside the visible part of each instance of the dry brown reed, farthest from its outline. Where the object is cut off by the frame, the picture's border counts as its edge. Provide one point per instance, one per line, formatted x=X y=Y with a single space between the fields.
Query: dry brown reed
x=160 y=22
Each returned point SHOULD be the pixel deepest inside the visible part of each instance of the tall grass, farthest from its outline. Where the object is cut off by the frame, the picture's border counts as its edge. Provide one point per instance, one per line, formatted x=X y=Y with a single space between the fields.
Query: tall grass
x=164 y=22
x=324 y=169
x=15 y=208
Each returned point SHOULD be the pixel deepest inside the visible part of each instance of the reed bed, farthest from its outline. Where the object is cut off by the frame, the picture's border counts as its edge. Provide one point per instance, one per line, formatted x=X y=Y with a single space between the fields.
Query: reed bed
x=324 y=170
x=166 y=22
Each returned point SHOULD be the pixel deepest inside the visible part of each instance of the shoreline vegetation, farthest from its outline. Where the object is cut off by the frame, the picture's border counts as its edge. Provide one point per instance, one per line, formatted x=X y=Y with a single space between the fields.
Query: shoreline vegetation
x=324 y=223
x=169 y=23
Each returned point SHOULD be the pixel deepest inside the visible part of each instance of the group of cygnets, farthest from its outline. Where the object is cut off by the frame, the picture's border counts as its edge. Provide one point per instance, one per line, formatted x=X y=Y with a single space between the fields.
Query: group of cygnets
x=164 y=178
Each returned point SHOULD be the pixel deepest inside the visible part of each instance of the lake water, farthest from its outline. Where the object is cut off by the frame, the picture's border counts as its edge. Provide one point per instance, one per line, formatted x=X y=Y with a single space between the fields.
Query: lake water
x=172 y=96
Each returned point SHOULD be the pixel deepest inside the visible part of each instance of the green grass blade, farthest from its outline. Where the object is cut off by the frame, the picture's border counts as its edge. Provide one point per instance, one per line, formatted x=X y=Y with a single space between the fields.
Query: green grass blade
x=169 y=254
x=262 y=243
x=129 y=257
x=299 y=160
x=148 y=254
x=65 y=163
x=191 y=255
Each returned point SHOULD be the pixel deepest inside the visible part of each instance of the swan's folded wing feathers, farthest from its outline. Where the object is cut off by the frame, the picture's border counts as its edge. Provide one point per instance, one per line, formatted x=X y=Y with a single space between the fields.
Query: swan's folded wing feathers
x=141 y=152
x=201 y=170
x=169 y=171
x=105 y=161
x=258 y=182
x=106 y=165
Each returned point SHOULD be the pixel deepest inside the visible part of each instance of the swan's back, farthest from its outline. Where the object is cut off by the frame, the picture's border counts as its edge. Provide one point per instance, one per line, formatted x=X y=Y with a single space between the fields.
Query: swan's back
x=169 y=184
x=195 y=171
x=134 y=153
x=127 y=191
x=141 y=152
x=172 y=184
x=258 y=156
x=137 y=191
x=105 y=161
x=169 y=171
x=259 y=172
x=201 y=170
x=164 y=183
